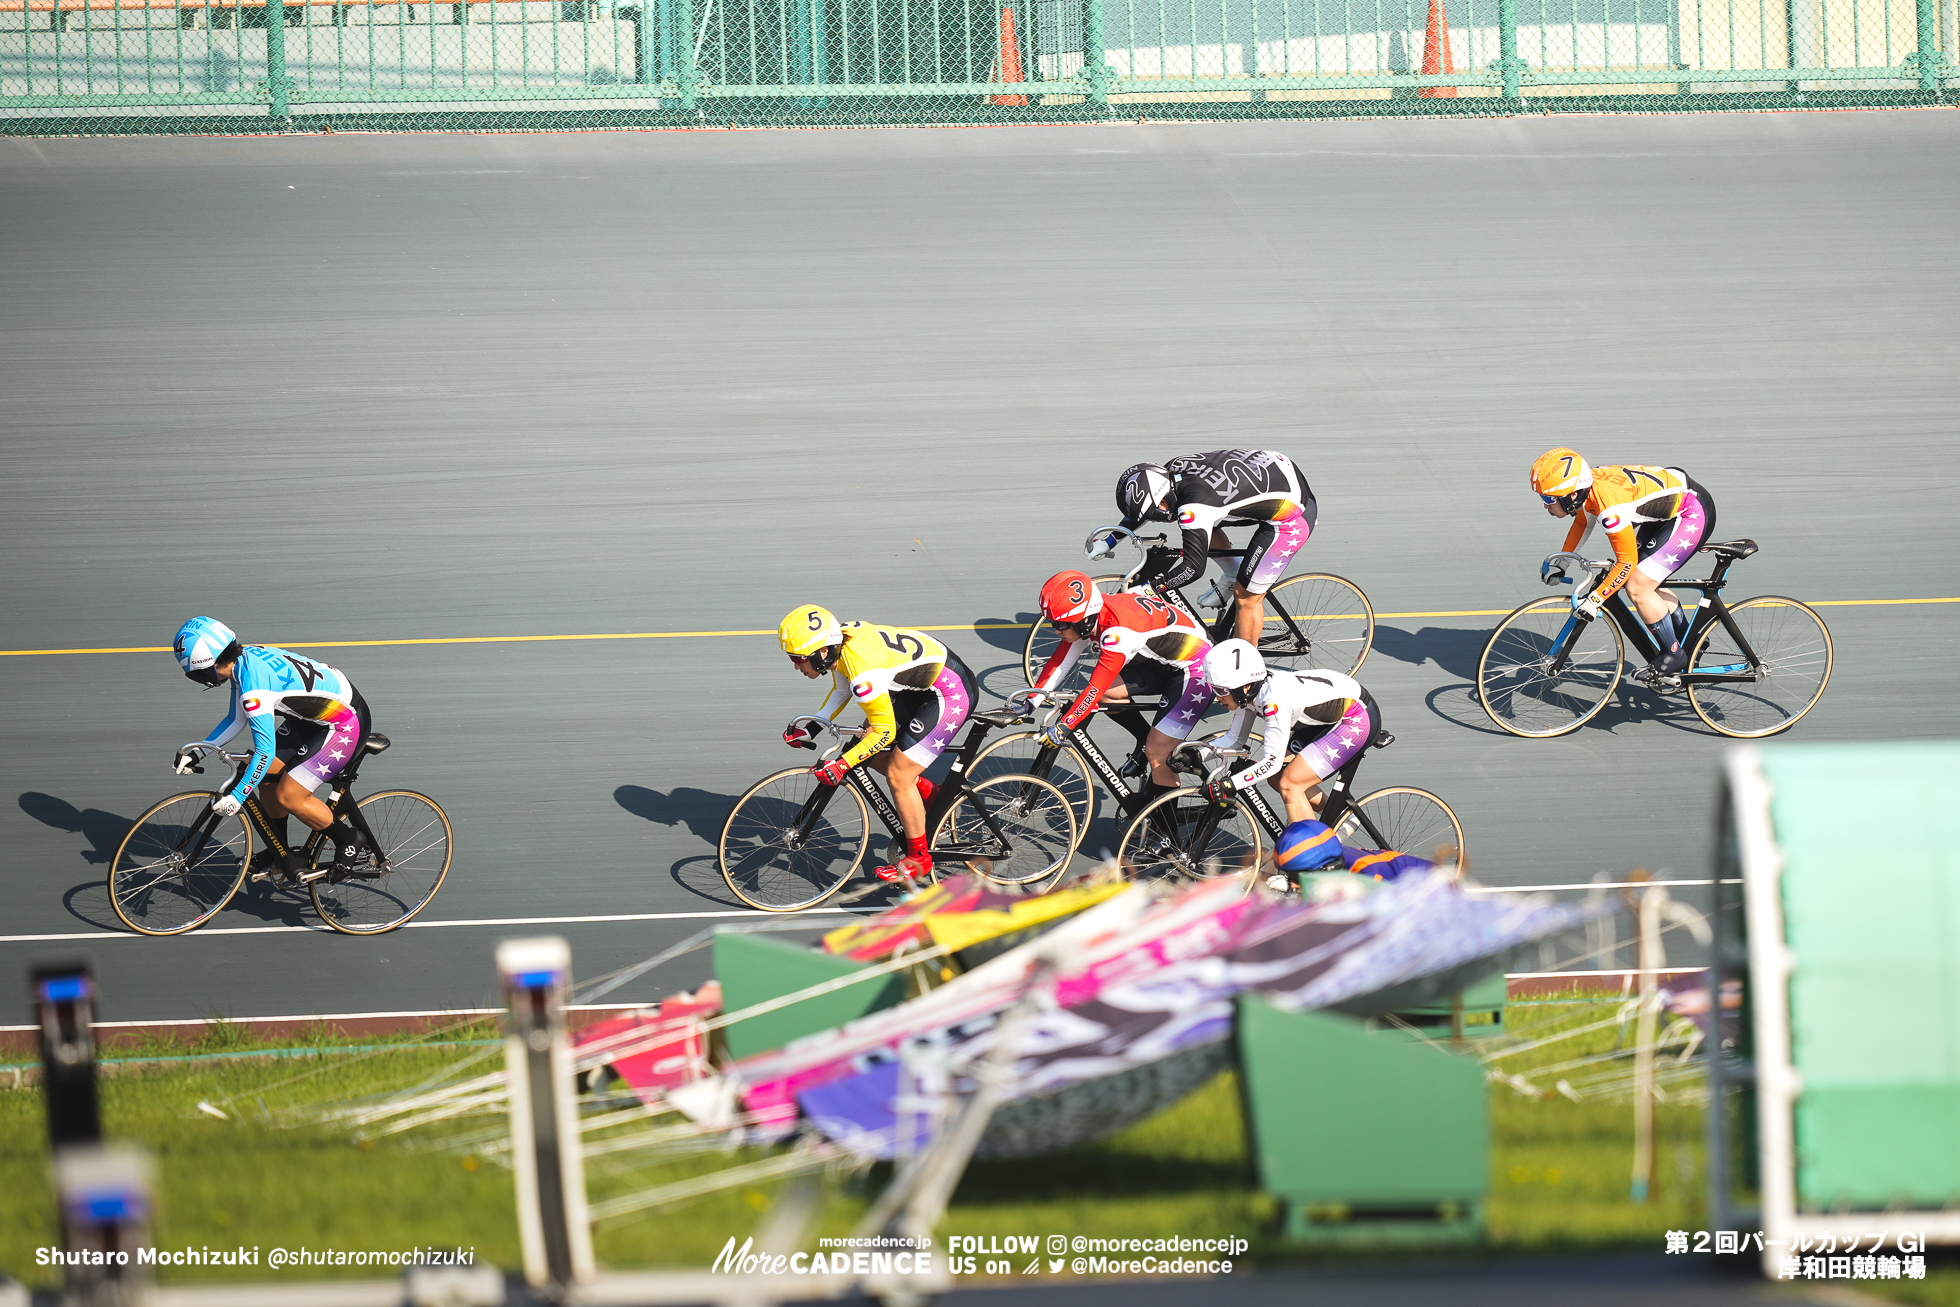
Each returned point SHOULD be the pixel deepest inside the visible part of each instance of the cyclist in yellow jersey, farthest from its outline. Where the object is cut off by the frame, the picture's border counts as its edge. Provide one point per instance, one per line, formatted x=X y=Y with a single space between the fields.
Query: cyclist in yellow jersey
x=1655 y=518
x=915 y=693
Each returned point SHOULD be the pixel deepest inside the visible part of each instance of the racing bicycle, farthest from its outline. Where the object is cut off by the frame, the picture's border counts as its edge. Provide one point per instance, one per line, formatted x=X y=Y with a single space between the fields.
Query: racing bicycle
x=1753 y=668
x=1185 y=835
x=793 y=841
x=1313 y=622
x=181 y=862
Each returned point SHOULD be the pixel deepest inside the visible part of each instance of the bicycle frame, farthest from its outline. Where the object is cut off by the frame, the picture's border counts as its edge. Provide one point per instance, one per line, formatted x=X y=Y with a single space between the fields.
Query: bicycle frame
x=1227 y=622
x=1710 y=611
x=340 y=803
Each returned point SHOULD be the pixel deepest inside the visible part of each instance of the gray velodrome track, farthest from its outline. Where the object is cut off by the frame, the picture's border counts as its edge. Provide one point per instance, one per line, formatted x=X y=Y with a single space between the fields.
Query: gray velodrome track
x=358 y=388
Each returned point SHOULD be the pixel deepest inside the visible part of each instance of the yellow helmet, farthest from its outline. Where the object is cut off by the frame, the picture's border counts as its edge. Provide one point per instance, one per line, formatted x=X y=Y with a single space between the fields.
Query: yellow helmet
x=1560 y=476
x=808 y=630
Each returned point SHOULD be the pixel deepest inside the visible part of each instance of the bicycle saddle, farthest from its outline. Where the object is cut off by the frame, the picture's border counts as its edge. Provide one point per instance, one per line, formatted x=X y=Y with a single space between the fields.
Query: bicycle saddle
x=375 y=743
x=1002 y=717
x=1381 y=741
x=1730 y=548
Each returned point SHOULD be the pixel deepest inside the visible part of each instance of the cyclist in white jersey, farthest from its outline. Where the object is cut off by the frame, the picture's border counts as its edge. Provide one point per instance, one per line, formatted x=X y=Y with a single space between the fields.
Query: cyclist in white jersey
x=1313 y=723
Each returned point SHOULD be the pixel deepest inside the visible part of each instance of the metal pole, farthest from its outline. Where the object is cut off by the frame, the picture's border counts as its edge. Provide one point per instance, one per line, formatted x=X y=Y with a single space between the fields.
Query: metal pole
x=1652 y=958
x=1929 y=46
x=275 y=59
x=1092 y=51
x=1509 y=65
x=544 y=1134
x=684 y=21
x=64 y=1009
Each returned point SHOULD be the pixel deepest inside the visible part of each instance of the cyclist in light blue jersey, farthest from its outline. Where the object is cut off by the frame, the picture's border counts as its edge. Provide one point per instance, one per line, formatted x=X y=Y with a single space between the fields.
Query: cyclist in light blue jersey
x=307 y=720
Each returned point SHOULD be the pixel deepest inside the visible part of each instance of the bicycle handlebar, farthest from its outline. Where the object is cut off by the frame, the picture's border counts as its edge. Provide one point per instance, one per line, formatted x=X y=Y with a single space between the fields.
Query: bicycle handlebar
x=844 y=734
x=1103 y=540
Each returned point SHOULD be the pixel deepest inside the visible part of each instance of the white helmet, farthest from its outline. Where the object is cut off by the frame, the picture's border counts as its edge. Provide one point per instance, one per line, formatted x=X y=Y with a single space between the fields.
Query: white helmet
x=1233 y=665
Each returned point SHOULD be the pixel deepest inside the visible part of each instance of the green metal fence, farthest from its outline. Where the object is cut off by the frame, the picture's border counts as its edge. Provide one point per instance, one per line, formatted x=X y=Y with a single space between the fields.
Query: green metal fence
x=70 y=66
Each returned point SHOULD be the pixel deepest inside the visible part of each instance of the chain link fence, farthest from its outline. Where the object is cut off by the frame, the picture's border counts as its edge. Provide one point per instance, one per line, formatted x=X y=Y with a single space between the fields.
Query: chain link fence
x=71 y=66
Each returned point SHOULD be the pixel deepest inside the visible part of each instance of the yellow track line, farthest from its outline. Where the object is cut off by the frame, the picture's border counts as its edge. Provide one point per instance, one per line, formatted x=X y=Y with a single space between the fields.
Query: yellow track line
x=702 y=635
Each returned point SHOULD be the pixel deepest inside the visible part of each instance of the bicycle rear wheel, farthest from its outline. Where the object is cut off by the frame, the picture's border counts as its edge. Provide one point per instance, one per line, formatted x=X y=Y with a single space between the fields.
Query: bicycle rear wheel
x=1791 y=668
x=1517 y=687
x=398 y=877
x=1182 y=836
x=1042 y=640
x=1402 y=819
x=1013 y=755
x=178 y=866
x=779 y=856
x=1317 y=622
x=1012 y=830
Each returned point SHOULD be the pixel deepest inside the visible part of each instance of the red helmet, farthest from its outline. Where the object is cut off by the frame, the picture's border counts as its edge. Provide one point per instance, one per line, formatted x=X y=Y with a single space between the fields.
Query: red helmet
x=1070 y=597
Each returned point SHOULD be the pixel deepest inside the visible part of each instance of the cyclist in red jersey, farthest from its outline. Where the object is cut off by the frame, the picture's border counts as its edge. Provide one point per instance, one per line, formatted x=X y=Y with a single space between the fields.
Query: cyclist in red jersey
x=1147 y=647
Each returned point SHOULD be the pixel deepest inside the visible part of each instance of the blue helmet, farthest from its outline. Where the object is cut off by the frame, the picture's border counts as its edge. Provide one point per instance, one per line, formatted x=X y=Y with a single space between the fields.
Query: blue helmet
x=202 y=643
x=1308 y=846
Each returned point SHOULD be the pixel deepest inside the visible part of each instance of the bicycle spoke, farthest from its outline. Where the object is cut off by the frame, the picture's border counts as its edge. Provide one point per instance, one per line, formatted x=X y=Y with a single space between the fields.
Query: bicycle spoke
x=398 y=877
x=177 y=866
x=1515 y=680
x=1317 y=622
x=1014 y=830
x=1791 y=667
x=778 y=852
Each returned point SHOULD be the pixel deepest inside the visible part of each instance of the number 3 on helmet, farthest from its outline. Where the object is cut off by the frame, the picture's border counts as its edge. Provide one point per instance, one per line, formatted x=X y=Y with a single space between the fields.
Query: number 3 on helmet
x=1070 y=597
x=808 y=630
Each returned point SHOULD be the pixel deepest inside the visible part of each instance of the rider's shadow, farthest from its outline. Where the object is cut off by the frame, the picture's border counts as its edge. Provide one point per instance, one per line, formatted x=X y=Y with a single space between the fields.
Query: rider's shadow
x=103 y=830
x=702 y=813
x=1008 y=634
x=1454 y=649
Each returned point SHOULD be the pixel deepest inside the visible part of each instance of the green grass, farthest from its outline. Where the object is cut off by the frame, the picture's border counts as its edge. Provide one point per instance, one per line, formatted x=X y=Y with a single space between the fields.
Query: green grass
x=1560 y=1169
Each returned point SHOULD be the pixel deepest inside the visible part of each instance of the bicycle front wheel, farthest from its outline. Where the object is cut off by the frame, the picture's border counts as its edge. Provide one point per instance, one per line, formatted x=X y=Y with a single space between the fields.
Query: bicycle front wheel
x=1182 y=836
x=1786 y=678
x=1042 y=640
x=399 y=875
x=1013 y=755
x=1403 y=819
x=178 y=866
x=785 y=846
x=1517 y=685
x=1012 y=830
x=1317 y=622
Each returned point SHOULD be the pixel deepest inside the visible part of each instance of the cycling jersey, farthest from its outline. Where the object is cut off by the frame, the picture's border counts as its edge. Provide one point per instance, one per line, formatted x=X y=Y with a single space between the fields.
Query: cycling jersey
x=1235 y=487
x=880 y=662
x=1630 y=502
x=1159 y=636
x=269 y=683
x=1325 y=716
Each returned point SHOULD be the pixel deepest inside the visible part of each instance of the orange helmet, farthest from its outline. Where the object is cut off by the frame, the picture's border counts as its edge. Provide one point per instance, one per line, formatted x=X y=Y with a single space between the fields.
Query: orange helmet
x=1070 y=597
x=1561 y=477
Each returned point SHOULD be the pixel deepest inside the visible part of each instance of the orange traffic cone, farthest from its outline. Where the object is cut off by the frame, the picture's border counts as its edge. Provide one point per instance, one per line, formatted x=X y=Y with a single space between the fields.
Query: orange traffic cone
x=1010 y=58
x=1436 y=53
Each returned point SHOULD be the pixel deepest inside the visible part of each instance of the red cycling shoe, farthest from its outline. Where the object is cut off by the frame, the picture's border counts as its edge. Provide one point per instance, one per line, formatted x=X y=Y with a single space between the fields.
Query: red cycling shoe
x=906 y=870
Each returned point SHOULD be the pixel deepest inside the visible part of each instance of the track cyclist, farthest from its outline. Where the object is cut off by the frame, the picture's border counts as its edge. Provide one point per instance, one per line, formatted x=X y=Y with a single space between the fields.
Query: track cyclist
x=1203 y=494
x=1655 y=517
x=307 y=722
x=1308 y=846
x=897 y=676
x=1313 y=723
x=1147 y=646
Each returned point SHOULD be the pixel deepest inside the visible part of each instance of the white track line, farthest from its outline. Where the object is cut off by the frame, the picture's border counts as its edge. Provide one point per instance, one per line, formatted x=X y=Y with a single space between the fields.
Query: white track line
x=421 y=925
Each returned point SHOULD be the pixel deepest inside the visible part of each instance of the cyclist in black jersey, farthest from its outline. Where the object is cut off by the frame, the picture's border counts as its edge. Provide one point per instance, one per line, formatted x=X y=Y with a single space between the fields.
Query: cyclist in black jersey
x=1204 y=493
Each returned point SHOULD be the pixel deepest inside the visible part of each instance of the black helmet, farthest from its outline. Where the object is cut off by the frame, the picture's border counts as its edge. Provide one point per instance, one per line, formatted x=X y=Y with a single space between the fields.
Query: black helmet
x=1141 y=492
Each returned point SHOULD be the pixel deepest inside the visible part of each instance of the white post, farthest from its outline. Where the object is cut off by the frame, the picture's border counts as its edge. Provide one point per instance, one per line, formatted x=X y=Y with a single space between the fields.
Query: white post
x=1652 y=958
x=544 y=1135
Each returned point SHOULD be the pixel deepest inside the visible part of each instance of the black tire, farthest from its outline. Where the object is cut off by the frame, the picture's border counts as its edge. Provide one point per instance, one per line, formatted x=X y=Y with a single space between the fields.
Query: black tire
x=1034 y=815
x=1157 y=845
x=1013 y=754
x=1331 y=626
x=1519 y=693
x=1792 y=666
x=152 y=885
x=397 y=878
x=766 y=868
x=1042 y=640
x=1408 y=820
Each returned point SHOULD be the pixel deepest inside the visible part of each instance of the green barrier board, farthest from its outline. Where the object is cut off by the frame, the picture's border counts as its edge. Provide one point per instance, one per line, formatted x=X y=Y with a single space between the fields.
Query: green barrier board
x=753 y=969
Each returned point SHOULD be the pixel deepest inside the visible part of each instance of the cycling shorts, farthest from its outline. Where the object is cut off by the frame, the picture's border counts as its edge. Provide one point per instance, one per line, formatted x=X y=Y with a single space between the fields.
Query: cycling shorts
x=316 y=752
x=1187 y=695
x=1666 y=547
x=1271 y=549
x=1327 y=749
x=929 y=718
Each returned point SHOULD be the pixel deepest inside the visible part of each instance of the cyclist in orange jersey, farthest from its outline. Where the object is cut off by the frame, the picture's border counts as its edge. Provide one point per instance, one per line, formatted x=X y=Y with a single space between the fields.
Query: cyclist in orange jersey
x=1655 y=518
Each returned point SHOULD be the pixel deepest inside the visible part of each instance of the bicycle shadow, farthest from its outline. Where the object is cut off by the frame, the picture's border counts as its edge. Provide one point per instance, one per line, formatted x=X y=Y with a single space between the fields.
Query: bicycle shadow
x=700 y=875
x=1003 y=680
x=1457 y=704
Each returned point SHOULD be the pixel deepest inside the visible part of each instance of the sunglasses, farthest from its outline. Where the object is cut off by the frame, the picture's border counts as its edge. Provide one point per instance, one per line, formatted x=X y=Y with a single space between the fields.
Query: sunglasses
x=1066 y=627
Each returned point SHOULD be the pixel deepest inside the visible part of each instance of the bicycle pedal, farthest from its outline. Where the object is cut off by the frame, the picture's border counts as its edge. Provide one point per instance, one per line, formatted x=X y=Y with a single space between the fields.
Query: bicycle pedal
x=1132 y=766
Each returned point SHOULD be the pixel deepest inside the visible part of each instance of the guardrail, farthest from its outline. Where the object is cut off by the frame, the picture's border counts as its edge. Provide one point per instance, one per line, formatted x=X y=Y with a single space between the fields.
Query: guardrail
x=128 y=65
